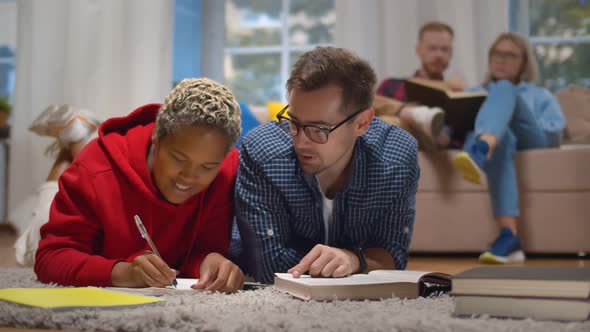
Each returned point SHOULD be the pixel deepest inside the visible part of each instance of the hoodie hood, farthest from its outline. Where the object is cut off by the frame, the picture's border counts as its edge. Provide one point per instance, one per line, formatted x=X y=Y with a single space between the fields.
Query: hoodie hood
x=106 y=185
x=127 y=141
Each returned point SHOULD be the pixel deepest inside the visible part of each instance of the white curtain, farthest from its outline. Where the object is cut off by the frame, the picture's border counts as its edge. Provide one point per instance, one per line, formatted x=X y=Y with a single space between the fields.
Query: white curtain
x=109 y=56
x=385 y=32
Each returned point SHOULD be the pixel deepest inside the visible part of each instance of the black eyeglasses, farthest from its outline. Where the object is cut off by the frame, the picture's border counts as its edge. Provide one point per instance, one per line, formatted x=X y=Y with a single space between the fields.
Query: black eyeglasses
x=501 y=55
x=316 y=134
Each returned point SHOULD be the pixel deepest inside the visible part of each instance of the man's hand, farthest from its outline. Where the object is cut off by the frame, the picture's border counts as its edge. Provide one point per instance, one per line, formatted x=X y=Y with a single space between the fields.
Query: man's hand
x=145 y=270
x=219 y=274
x=456 y=84
x=324 y=261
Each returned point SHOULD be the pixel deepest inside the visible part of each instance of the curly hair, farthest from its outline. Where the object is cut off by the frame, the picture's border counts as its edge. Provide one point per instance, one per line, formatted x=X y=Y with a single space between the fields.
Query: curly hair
x=331 y=65
x=200 y=102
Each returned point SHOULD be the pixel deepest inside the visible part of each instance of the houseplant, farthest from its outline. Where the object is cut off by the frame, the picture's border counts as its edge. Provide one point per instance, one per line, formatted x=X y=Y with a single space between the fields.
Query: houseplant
x=5 y=109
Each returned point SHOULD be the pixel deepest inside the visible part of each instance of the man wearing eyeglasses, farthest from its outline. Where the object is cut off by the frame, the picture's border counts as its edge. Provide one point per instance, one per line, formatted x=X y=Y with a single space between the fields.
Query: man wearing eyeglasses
x=328 y=190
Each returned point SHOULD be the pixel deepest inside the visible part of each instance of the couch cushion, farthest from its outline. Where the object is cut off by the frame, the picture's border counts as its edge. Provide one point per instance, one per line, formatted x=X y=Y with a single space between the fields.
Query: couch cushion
x=575 y=104
x=563 y=169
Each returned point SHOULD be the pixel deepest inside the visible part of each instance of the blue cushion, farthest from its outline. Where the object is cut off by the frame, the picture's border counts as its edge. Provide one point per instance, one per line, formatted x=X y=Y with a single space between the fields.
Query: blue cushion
x=249 y=121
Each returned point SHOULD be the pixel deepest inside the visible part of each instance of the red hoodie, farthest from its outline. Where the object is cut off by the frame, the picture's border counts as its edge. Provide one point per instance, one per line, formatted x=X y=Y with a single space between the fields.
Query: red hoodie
x=91 y=224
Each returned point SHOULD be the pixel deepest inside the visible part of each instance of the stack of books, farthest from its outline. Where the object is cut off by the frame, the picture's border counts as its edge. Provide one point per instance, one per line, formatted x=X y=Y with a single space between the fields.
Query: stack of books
x=551 y=293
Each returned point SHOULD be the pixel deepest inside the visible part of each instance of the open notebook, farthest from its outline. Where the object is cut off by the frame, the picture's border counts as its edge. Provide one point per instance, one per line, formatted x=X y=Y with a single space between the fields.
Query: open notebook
x=72 y=298
x=378 y=284
x=184 y=286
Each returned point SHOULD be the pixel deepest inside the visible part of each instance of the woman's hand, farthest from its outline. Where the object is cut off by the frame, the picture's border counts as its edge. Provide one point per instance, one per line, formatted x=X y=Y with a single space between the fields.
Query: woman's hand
x=144 y=271
x=219 y=274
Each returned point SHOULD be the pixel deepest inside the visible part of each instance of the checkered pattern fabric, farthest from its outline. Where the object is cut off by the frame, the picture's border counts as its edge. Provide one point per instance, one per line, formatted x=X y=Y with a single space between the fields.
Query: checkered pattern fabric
x=279 y=207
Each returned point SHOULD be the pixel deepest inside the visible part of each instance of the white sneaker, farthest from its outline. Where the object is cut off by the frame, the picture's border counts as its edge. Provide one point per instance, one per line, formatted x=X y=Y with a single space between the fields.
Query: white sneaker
x=429 y=120
x=79 y=126
x=427 y=123
x=66 y=123
x=46 y=124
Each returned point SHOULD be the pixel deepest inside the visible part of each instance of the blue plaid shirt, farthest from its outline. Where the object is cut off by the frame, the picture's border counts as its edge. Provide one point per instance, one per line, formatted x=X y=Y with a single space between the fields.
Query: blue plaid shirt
x=279 y=207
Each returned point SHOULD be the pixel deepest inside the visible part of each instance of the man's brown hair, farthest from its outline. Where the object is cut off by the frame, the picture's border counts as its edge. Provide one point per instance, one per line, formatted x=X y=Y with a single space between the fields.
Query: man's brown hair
x=331 y=65
x=435 y=26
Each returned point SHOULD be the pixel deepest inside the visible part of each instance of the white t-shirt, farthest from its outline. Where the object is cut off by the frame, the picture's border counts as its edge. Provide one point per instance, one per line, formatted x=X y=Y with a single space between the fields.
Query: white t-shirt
x=328 y=208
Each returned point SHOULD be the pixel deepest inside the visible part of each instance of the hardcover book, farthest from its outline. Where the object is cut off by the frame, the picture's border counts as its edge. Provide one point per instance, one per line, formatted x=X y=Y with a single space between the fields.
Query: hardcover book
x=460 y=107
x=559 y=282
x=378 y=284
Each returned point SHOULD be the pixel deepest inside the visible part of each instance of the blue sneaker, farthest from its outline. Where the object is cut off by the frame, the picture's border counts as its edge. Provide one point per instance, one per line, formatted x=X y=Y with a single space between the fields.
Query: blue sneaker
x=506 y=249
x=472 y=162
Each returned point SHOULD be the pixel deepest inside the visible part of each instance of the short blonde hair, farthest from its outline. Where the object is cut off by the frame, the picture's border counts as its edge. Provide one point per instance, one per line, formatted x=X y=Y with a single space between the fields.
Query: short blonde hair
x=200 y=102
x=529 y=70
x=435 y=26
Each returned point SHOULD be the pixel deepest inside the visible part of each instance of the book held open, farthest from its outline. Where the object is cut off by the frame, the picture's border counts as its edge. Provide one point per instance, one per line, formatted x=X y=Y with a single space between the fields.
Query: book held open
x=378 y=284
x=460 y=107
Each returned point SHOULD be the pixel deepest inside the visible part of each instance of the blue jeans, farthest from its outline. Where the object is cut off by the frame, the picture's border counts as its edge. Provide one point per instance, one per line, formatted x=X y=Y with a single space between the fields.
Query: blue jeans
x=509 y=119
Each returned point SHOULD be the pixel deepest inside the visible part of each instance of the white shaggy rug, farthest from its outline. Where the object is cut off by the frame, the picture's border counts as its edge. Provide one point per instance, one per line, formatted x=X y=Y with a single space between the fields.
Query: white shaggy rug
x=260 y=310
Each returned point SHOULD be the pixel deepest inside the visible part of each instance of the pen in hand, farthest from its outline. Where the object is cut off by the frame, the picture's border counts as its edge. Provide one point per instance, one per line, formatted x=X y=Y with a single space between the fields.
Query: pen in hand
x=146 y=236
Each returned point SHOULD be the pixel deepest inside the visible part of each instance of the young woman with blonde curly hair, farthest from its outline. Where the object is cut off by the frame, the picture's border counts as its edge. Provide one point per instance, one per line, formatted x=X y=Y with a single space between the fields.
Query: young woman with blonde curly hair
x=174 y=166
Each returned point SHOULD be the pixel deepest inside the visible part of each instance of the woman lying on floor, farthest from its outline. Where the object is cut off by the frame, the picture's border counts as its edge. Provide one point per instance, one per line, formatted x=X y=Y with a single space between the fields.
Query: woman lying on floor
x=174 y=166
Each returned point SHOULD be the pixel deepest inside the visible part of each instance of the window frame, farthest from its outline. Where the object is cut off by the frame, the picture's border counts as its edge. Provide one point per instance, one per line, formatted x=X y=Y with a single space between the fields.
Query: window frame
x=284 y=49
x=520 y=21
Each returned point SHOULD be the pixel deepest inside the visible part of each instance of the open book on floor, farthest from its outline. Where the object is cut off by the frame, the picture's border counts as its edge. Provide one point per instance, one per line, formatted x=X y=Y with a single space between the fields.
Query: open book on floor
x=184 y=287
x=460 y=107
x=378 y=284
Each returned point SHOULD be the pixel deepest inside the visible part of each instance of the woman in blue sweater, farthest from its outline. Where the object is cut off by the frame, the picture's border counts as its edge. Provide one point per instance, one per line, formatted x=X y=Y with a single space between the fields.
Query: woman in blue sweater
x=517 y=115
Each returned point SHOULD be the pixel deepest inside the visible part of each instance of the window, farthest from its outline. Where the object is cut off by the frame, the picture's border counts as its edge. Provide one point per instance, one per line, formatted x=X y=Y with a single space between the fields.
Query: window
x=7 y=62
x=186 y=55
x=264 y=38
x=559 y=32
x=8 y=25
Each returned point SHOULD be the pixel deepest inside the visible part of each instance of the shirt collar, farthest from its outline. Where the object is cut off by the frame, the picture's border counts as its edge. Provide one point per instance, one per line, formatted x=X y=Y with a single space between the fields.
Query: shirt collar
x=358 y=177
x=420 y=73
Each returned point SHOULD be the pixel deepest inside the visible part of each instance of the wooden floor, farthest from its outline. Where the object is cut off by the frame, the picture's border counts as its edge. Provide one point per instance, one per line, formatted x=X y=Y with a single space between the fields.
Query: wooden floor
x=6 y=250
x=450 y=264
x=454 y=265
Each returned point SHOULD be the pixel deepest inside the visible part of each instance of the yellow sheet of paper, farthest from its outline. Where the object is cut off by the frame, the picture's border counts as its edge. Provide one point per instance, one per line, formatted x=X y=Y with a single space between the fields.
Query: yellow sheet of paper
x=53 y=298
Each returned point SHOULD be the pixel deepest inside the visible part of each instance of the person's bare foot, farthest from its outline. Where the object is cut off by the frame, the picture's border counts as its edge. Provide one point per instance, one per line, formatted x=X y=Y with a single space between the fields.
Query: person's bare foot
x=62 y=162
x=75 y=148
